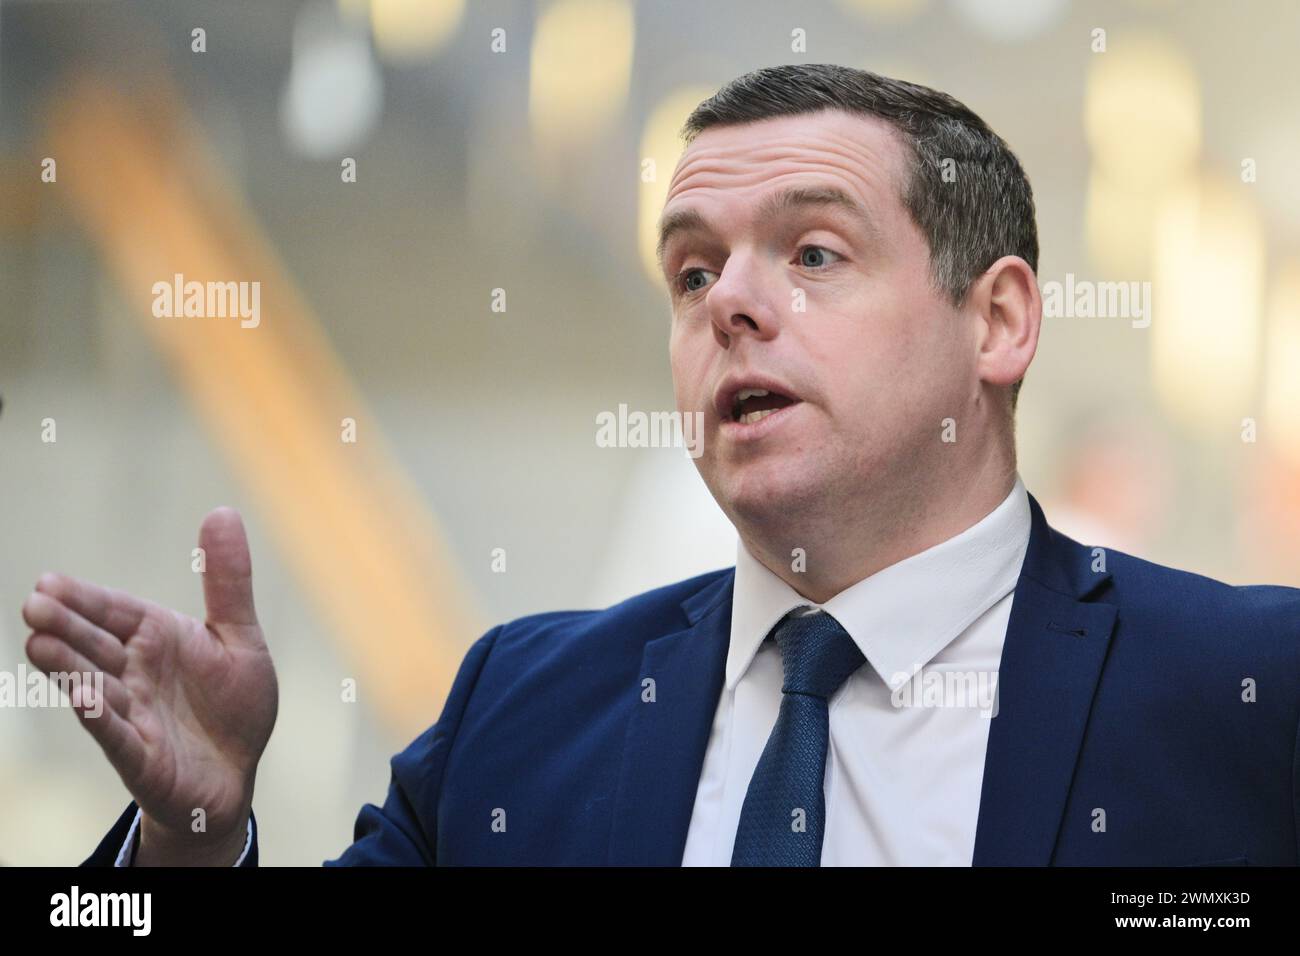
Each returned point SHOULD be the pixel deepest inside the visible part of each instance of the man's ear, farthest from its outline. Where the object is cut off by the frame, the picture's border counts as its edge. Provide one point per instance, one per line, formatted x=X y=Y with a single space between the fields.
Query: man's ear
x=1006 y=302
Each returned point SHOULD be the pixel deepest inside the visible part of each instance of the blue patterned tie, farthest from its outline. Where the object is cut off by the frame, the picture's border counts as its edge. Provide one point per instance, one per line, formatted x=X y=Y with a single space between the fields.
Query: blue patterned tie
x=784 y=814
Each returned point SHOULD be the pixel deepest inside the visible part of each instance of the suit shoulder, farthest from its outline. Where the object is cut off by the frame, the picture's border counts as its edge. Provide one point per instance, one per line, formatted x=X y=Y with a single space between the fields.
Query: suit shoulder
x=1264 y=615
x=650 y=613
x=1165 y=584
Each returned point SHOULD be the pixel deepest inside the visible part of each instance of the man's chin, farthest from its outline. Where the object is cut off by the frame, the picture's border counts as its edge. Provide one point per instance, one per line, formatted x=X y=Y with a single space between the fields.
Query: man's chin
x=755 y=495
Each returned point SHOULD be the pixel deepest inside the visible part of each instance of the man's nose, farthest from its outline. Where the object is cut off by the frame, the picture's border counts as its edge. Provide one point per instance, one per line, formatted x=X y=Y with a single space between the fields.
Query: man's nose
x=740 y=303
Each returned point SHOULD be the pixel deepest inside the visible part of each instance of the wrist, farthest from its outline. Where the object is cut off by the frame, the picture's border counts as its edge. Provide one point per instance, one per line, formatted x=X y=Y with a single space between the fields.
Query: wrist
x=164 y=846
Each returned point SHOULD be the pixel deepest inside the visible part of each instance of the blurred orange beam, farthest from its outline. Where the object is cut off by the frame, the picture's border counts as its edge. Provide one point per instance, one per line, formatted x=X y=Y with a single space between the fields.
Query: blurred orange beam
x=346 y=518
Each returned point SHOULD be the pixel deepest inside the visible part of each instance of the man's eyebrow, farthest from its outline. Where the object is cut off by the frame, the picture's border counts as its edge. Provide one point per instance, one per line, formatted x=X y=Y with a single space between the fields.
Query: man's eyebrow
x=787 y=200
x=684 y=220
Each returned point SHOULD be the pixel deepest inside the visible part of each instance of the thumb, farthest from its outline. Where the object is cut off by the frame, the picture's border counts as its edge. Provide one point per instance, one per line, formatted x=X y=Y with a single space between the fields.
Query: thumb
x=228 y=578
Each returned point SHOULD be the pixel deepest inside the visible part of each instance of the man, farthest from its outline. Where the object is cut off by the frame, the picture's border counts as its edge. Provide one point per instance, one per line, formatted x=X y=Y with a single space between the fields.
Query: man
x=851 y=263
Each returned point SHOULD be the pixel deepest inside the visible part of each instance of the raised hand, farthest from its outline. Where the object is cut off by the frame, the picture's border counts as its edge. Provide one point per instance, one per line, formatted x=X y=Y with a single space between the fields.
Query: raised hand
x=188 y=706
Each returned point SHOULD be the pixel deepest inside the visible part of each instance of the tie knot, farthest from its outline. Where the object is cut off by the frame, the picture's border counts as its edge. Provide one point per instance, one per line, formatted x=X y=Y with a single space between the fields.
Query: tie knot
x=817 y=654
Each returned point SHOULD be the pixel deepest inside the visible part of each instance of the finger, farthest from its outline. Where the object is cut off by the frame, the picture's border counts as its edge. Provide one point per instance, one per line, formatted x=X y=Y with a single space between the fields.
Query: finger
x=101 y=709
x=44 y=613
x=68 y=669
x=228 y=574
x=117 y=612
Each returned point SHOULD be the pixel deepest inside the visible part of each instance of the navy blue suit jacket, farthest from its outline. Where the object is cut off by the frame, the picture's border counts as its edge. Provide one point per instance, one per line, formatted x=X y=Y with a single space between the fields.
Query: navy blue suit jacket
x=1123 y=690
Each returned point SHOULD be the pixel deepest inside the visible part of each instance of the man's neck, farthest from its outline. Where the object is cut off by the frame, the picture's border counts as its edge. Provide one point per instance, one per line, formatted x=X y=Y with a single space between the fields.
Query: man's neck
x=834 y=552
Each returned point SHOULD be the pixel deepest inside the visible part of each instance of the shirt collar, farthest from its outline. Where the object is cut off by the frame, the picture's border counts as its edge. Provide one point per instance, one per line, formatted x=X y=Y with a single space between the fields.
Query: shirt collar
x=903 y=615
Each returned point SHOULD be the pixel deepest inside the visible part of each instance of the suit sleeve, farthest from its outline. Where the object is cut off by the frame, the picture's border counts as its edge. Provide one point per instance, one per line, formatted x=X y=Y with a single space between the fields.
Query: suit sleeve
x=114 y=843
x=403 y=832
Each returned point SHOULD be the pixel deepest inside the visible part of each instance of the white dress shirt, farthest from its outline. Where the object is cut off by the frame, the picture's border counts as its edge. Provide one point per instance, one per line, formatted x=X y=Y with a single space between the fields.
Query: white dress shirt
x=904 y=769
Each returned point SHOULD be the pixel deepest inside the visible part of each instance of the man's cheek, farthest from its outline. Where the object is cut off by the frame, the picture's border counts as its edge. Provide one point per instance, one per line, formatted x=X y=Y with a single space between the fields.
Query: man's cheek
x=690 y=387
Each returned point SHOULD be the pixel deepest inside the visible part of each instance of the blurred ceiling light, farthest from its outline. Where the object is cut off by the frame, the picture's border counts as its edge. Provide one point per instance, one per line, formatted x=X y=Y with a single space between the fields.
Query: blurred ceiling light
x=1281 y=381
x=1142 y=112
x=407 y=30
x=580 y=68
x=662 y=147
x=1009 y=20
x=1119 y=223
x=334 y=93
x=884 y=9
x=1209 y=265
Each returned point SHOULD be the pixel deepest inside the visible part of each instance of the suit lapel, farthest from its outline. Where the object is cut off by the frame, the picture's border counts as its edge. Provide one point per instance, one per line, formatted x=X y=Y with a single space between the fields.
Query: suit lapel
x=1051 y=662
x=666 y=739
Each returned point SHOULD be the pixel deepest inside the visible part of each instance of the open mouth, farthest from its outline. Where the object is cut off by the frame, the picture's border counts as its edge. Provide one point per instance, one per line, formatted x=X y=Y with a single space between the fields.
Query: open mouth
x=754 y=404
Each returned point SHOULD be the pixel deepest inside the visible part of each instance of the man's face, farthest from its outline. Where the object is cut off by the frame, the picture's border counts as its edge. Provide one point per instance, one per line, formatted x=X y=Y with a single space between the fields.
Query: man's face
x=830 y=309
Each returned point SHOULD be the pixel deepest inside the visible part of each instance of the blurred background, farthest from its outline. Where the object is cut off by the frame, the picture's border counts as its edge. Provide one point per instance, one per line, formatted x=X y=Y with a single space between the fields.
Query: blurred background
x=449 y=208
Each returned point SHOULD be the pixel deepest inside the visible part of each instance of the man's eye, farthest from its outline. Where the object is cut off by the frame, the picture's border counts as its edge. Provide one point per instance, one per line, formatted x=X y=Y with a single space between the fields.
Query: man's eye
x=814 y=257
x=692 y=280
x=688 y=280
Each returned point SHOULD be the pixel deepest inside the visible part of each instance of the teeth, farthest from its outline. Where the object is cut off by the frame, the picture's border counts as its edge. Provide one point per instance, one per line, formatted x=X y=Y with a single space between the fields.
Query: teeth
x=751 y=417
x=745 y=393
